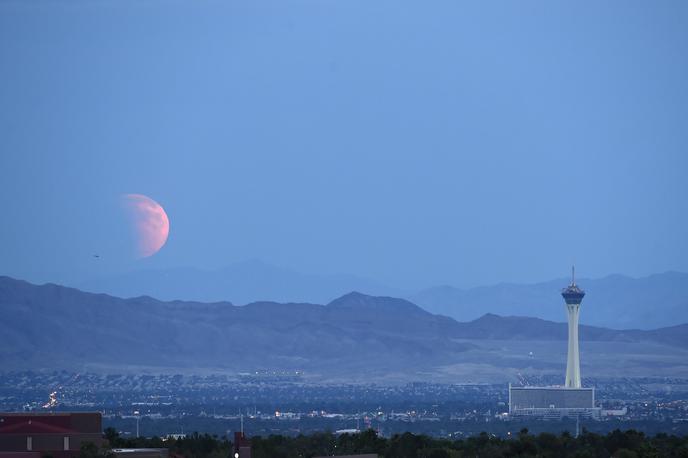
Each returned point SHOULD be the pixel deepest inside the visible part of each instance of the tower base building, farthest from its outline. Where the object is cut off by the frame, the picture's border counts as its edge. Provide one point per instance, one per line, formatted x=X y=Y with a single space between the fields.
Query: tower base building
x=552 y=402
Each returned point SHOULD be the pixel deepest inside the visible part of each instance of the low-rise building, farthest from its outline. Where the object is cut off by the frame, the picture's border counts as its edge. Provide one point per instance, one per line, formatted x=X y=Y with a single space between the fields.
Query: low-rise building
x=552 y=402
x=59 y=434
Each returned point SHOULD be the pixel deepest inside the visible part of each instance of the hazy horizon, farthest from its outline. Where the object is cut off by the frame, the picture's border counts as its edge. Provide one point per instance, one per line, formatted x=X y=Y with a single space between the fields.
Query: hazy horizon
x=565 y=279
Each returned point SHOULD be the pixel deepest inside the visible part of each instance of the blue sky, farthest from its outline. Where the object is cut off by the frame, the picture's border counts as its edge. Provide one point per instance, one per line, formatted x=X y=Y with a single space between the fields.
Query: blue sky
x=414 y=143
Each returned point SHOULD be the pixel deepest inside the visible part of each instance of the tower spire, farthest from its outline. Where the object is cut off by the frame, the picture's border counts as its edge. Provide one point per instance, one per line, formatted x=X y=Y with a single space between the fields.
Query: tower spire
x=573 y=275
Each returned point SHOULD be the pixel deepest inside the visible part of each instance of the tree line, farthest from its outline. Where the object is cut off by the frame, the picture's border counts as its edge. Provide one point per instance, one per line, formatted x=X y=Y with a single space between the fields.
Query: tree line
x=617 y=444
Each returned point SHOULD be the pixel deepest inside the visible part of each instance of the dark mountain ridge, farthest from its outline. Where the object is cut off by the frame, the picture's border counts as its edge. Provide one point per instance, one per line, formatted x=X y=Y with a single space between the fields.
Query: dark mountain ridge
x=615 y=301
x=52 y=326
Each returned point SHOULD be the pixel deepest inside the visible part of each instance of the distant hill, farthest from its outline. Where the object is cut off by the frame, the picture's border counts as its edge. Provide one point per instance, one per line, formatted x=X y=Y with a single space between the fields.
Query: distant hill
x=241 y=283
x=615 y=301
x=356 y=335
x=54 y=326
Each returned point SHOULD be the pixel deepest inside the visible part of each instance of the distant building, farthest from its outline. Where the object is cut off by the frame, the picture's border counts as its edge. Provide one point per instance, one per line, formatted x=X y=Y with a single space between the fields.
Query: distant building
x=571 y=400
x=573 y=296
x=614 y=412
x=174 y=437
x=552 y=402
x=57 y=434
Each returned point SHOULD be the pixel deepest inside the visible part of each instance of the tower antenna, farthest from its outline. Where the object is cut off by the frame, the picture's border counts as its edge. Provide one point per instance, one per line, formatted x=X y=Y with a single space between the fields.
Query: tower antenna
x=573 y=275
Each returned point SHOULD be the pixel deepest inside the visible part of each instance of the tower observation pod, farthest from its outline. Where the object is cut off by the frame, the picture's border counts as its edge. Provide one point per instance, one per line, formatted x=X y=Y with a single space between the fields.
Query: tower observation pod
x=573 y=296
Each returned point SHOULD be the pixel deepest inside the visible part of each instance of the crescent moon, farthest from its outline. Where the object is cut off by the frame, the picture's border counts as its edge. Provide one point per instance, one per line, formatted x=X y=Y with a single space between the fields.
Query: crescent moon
x=150 y=223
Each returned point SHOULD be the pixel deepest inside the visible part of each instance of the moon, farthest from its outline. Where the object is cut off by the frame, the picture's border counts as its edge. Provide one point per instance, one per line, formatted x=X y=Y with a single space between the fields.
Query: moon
x=149 y=223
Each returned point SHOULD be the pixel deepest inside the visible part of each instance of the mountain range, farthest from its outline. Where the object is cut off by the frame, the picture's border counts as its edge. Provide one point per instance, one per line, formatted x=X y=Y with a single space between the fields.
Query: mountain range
x=240 y=283
x=354 y=336
x=614 y=301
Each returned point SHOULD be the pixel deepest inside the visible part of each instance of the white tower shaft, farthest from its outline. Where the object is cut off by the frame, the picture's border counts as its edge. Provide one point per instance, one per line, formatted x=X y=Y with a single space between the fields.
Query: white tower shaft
x=573 y=379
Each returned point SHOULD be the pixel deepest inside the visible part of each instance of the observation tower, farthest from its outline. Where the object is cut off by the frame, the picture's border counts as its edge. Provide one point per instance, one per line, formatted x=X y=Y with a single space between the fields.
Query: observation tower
x=573 y=296
x=556 y=402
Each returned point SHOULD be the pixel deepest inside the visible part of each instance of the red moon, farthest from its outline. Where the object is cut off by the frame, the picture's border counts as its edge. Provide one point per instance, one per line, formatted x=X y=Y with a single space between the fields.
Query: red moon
x=149 y=221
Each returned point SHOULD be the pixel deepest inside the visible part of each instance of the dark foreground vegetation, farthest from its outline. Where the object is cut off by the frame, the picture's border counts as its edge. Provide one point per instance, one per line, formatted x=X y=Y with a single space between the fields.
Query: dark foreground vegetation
x=627 y=444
